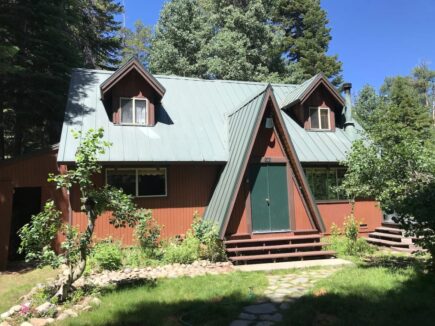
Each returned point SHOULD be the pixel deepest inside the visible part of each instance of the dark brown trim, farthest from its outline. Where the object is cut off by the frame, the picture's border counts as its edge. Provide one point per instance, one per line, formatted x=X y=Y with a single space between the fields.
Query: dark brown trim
x=321 y=80
x=248 y=208
x=124 y=70
x=290 y=198
x=230 y=207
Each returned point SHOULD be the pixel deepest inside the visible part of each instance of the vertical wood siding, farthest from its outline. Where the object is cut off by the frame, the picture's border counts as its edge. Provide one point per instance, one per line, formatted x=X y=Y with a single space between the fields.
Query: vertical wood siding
x=189 y=189
x=366 y=211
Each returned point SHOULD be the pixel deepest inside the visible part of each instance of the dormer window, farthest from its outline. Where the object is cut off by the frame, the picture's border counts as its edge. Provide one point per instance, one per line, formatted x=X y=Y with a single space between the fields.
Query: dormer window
x=134 y=111
x=320 y=118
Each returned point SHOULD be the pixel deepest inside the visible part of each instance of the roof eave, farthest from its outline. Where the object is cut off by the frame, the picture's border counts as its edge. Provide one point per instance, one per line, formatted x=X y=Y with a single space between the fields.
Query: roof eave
x=133 y=63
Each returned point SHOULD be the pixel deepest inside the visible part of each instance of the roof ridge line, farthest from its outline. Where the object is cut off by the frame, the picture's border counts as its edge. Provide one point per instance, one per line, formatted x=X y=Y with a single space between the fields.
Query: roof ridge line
x=246 y=103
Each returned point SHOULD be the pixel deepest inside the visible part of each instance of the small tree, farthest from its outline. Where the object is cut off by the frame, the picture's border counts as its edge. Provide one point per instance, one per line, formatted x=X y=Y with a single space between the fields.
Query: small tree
x=395 y=162
x=37 y=237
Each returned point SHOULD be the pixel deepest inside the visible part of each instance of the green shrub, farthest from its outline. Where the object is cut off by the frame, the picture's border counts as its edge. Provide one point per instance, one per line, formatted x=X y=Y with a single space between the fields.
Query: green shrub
x=147 y=233
x=348 y=243
x=137 y=257
x=212 y=247
x=184 y=252
x=106 y=255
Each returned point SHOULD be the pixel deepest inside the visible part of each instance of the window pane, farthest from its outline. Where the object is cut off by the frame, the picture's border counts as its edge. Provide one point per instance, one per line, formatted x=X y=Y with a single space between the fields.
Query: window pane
x=323 y=182
x=314 y=116
x=320 y=186
x=152 y=182
x=123 y=179
x=126 y=111
x=140 y=113
x=324 y=118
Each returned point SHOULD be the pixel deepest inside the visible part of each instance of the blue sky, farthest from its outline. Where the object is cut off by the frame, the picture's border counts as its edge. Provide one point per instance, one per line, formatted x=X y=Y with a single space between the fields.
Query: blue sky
x=373 y=38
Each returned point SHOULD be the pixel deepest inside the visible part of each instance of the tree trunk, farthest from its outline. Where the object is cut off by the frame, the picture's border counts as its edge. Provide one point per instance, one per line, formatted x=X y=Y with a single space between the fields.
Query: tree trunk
x=75 y=272
x=2 y=132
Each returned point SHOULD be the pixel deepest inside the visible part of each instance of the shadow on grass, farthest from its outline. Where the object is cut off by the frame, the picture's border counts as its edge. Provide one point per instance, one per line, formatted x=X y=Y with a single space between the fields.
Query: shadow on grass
x=219 y=310
x=409 y=299
x=419 y=263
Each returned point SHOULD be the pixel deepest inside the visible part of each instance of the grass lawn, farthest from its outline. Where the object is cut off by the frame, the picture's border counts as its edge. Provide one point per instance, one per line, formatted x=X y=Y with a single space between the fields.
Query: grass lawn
x=204 y=300
x=13 y=285
x=387 y=291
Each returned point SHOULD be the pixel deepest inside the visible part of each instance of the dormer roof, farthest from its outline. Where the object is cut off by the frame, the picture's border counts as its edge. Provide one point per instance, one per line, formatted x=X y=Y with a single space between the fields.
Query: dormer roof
x=304 y=90
x=132 y=64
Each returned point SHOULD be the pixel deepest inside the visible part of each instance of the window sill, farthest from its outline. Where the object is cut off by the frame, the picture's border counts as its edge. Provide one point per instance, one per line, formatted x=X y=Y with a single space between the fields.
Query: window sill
x=333 y=201
x=132 y=124
x=320 y=130
x=156 y=196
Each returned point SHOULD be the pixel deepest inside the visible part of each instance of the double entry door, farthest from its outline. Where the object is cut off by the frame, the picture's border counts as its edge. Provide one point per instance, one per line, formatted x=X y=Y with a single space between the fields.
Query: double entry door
x=269 y=197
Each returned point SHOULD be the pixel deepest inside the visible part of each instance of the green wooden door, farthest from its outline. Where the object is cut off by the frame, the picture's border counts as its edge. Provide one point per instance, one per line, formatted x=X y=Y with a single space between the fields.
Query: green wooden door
x=269 y=197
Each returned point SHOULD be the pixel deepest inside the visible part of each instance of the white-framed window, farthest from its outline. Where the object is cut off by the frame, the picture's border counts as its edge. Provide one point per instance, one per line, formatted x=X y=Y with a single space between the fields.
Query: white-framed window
x=140 y=182
x=134 y=110
x=320 y=118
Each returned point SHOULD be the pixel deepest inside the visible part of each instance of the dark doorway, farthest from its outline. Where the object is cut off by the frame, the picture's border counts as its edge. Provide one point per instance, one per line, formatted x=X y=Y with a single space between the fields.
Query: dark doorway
x=26 y=202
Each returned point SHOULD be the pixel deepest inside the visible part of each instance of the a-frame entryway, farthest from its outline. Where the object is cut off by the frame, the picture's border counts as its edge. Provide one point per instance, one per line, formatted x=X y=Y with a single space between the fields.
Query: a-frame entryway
x=262 y=202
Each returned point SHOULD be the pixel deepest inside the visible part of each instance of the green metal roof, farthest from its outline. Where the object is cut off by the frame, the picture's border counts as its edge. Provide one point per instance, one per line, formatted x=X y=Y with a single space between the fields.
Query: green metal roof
x=192 y=121
x=241 y=128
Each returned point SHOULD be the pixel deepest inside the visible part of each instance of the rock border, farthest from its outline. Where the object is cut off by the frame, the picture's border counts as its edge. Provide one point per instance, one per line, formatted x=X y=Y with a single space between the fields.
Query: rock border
x=47 y=313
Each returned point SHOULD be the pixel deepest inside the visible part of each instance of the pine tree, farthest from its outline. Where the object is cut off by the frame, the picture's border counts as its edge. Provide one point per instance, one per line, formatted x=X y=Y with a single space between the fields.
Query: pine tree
x=267 y=40
x=306 y=40
x=366 y=103
x=95 y=30
x=47 y=39
x=181 y=33
x=136 y=43
x=424 y=82
x=242 y=45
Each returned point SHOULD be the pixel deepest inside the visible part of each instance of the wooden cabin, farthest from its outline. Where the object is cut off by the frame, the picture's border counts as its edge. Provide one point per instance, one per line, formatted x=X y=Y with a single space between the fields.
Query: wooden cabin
x=258 y=160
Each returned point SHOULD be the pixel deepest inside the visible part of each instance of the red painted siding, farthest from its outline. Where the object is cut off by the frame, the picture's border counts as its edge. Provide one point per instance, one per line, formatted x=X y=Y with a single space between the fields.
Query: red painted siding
x=189 y=189
x=366 y=211
x=302 y=220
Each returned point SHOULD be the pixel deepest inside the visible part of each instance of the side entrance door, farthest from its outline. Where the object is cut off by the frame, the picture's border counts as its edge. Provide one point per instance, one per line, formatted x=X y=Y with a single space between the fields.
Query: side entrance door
x=269 y=197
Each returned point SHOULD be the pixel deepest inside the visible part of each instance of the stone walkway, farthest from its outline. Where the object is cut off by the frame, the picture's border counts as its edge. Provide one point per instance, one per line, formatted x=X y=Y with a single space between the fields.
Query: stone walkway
x=281 y=292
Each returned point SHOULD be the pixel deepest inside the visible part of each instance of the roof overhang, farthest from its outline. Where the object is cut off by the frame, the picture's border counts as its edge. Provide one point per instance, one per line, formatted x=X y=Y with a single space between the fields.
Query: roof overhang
x=132 y=64
x=318 y=80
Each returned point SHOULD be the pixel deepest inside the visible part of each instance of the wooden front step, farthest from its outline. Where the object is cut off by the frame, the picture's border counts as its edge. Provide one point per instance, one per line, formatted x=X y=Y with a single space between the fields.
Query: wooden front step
x=290 y=239
x=385 y=229
x=276 y=247
x=274 y=257
x=388 y=236
x=387 y=243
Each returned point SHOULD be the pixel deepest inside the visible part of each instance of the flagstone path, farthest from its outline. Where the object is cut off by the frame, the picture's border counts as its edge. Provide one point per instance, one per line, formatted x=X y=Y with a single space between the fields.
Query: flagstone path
x=281 y=292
